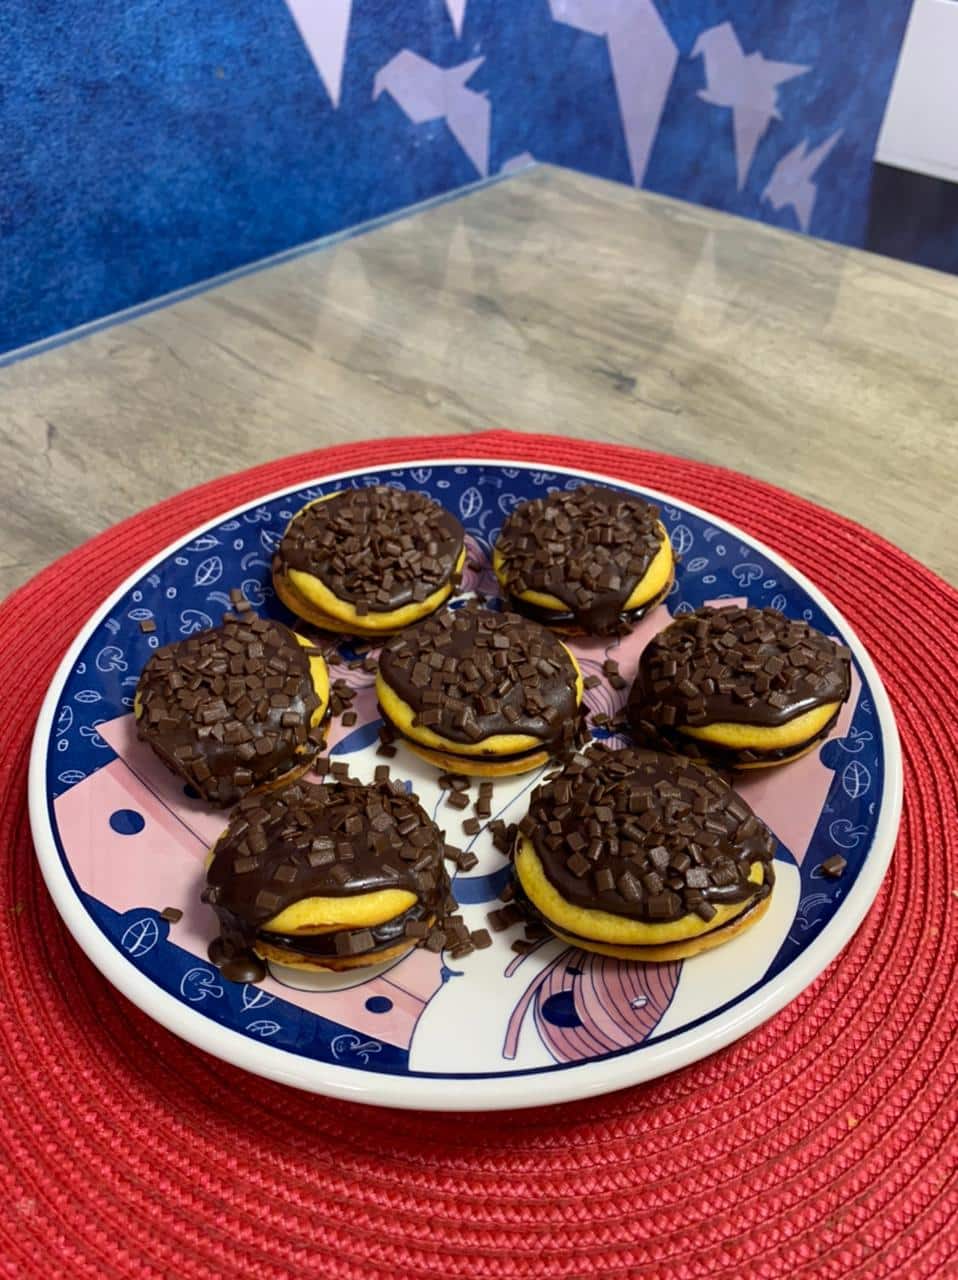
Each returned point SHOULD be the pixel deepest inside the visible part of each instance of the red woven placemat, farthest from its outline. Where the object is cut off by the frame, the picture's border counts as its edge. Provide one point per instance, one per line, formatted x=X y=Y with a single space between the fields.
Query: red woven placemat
x=822 y=1145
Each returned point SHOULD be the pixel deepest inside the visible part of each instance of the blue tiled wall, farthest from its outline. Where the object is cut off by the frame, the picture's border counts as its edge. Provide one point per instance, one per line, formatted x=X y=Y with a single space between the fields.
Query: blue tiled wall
x=146 y=145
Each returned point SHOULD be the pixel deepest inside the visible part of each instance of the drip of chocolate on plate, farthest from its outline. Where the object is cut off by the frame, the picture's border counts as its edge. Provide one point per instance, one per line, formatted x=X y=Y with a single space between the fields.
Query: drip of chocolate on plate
x=331 y=840
x=470 y=674
x=738 y=666
x=646 y=836
x=231 y=708
x=588 y=547
x=378 y=548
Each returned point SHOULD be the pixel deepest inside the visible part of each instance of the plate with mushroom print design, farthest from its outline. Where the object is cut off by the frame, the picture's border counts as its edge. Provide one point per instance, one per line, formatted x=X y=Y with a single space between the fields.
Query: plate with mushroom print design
x=123 y=842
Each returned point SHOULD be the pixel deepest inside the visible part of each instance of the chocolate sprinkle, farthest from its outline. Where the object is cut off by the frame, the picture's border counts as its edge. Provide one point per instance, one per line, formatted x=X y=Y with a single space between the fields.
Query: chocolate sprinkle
x=588 y=547
x=209 y=709
x=378 y=548
x=655 y=856
x=834 y=866
x=504 y=918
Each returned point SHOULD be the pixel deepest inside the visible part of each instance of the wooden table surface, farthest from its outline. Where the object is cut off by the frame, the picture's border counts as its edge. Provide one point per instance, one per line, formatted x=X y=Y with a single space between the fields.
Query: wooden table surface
x=547 y=302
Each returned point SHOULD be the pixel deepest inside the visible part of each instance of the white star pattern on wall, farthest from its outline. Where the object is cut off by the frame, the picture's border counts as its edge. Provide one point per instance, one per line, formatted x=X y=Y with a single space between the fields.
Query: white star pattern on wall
x=643 y=56
x=515 y=164
x=424 y=92
x=747 y=83
x=457 y=14
x=324 y=27
x=791 y=180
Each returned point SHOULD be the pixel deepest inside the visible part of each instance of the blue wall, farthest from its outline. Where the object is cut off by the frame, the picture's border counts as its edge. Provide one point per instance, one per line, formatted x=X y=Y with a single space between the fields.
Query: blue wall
x=146 y=145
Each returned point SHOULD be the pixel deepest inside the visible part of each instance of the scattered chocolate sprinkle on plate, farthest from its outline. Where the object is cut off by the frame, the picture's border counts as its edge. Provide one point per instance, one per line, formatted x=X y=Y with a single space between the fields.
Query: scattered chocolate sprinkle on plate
x=834 y=867
x=466 y=1019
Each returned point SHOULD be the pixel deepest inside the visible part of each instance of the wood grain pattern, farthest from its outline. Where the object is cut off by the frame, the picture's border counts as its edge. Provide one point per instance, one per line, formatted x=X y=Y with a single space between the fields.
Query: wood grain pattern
x=550 y=302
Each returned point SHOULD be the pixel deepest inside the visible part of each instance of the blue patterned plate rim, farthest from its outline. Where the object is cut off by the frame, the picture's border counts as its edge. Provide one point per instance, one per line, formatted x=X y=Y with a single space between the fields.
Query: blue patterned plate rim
x=355 y=1064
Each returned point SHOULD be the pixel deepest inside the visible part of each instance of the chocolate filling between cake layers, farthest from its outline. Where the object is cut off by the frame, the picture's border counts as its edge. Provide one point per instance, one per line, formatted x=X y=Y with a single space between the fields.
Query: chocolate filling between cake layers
x=377 y=548
x=499 y=757
x=379 y=937
x=549 y=617
x=532 y=912
x=720 y=757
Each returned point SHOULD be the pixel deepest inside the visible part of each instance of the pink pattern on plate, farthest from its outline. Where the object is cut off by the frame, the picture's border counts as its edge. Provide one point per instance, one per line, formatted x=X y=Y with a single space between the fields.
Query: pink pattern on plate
x=162 y=866
x=481 y=579
x=586 y=1004
x=165 y=855
x=364 y=704
x=591 y=653
x=205 y=823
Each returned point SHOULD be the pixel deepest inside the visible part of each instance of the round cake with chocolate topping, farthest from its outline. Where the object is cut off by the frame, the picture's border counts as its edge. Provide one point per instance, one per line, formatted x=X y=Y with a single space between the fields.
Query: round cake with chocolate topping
x=235 y=709
x=591 y=559
x=481 y=693
x=643 y=855
x=741 y=688
x=369 y=561
x=329 y=876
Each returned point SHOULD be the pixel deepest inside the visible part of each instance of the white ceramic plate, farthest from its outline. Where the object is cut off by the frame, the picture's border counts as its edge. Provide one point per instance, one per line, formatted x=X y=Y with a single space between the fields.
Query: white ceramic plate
x=119 y=841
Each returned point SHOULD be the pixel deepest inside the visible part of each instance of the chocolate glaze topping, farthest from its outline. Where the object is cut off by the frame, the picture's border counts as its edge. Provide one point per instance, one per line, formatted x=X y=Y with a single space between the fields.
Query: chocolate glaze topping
x=647 y=836
x=742 y=666
x=230 y=709
x=469 y=674
x=589 y=547
x=329 y=840
x=377 y=548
